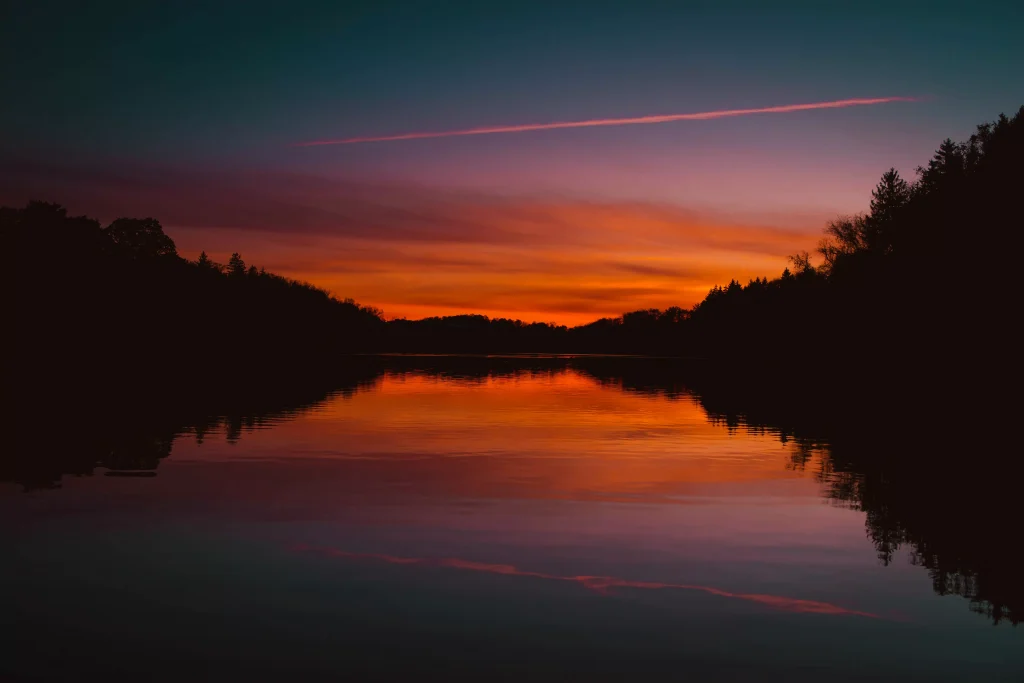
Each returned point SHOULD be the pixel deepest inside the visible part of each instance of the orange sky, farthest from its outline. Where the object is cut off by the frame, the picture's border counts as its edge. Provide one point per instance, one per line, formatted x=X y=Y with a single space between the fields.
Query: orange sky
x=562 y=261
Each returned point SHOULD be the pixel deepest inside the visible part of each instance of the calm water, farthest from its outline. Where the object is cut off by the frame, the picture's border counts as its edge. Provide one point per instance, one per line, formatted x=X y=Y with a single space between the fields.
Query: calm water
x=523 y=524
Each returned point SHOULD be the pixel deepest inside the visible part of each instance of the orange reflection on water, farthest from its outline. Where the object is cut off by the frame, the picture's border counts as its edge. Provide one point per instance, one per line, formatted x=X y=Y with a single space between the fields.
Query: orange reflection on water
x=540 y=435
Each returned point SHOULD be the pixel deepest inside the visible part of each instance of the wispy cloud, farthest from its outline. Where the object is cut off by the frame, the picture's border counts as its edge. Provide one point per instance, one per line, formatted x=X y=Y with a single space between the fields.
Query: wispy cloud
x=598 y=584
x=630 y=121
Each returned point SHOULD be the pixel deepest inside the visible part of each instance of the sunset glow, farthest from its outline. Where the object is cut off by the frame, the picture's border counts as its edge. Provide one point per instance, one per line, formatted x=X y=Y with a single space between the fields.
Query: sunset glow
x=567 y=262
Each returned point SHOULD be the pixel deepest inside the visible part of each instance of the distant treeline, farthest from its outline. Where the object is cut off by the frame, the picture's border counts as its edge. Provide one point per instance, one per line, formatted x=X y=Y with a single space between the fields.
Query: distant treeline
x=926 y=273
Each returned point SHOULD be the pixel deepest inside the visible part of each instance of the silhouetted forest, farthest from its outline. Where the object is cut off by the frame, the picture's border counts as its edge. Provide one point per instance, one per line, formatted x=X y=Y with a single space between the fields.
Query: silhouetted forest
x=921 y=276
x=92 y=305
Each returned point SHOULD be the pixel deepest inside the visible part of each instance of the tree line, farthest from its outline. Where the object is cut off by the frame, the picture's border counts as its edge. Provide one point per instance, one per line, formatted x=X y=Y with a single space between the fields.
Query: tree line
x=92 y=304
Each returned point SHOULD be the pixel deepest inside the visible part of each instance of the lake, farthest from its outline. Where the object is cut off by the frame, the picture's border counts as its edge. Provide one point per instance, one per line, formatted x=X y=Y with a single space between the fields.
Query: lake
x=495 y=519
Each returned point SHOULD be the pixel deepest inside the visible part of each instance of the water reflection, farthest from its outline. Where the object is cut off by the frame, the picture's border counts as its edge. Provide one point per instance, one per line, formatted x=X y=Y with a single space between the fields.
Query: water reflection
x=410 y=437
x=127 y=433
x=930 y=468
x=599 y=584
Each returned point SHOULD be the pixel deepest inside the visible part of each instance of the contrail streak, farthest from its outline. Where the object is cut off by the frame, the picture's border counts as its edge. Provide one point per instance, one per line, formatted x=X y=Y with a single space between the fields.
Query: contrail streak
x=663 y=118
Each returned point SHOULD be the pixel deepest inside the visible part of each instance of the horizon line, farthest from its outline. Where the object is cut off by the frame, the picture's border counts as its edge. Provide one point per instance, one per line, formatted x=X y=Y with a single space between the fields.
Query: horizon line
x=636 y=120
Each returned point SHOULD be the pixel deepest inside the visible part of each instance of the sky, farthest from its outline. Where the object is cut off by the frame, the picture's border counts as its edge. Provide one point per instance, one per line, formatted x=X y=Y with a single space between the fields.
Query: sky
x=196 y=114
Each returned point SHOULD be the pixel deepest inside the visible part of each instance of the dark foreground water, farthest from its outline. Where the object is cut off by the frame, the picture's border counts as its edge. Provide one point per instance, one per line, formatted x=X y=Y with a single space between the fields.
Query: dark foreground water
x=520 y=523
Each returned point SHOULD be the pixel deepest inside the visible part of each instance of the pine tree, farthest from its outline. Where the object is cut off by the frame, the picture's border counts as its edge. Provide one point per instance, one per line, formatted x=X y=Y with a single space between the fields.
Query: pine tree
x=888 y=199
x=236 y=266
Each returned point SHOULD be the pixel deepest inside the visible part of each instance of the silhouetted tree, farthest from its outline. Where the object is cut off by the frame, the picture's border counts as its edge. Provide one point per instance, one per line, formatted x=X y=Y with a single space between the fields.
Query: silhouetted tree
x=888 y=200
x=236 y=266
x=141 y=238
x=946 y=166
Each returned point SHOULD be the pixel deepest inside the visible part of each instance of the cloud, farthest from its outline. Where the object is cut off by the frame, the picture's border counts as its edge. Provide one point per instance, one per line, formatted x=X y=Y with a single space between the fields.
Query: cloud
x=636 y=120
x=647 y=269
